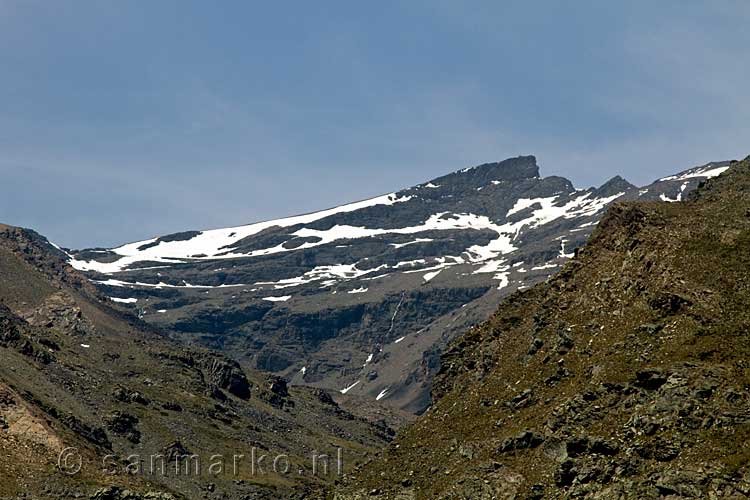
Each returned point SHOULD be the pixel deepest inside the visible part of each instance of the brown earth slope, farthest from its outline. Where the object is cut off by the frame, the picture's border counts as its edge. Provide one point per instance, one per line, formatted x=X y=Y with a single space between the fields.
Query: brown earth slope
x=76 y=372
x=625 y=376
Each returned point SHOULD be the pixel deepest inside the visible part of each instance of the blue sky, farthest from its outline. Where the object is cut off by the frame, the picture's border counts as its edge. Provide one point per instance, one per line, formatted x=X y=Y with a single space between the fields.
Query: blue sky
x=123 y=120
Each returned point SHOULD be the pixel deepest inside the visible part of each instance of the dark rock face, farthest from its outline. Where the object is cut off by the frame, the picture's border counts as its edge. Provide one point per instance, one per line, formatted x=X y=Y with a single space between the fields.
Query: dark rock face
x=328 y=291
x=95 y=435
x=175 y=451
x=129 y=396
x=125 y=425
x=186 y=235
x=60 y=312
x=227 y=374
x=277 y=393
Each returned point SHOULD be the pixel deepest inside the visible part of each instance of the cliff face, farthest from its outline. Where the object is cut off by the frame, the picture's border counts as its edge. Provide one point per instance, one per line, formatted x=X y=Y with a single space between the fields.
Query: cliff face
x=624 y=376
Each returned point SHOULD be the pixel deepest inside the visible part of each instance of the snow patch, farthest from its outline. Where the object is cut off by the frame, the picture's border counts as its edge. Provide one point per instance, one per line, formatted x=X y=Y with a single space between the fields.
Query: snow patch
x=278 y=299
x=347 y=389
x=114 y=282
x=382 y=394
x=215 y=242
x=664 y=197
x=562 y=250
x=418 y=240
x=500 y=268
x=431 y=275
x=124 y=301
x=548 y=265
x=367 y=361
x=708 y=172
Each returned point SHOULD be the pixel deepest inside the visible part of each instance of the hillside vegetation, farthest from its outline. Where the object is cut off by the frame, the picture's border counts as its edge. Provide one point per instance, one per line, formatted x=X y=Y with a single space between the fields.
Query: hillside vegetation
x=624 y=376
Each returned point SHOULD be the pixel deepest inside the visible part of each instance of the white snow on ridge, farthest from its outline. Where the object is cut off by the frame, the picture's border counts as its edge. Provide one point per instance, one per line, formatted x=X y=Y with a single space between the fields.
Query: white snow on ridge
x=321 y=273
x=347 y=389
x=581 y=206
x=442 y=263
x=549 y=265
x=278 y=299
x=431 y=275
x=666 y=198
x=492 y=266
x=708 y=172
x=367 y=361
x=114 y=282
x=524 y=203
x=124 y=301
x=504 y=280
x=382 y=394
x=286 y=283
x=501 y=270
x=437 y=222
x=410 y=263
x=213 y=242
x=418 y=240
x=562 y=250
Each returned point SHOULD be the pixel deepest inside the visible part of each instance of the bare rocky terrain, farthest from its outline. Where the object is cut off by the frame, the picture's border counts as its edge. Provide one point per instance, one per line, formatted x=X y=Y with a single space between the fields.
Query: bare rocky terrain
x=363 y=298
x=78 y=374
x=625 y=376
x=608 y=369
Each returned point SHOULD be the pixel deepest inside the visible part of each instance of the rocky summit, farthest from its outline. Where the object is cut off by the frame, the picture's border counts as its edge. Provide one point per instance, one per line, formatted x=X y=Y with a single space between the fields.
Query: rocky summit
x=364 y=297
x=625 y=376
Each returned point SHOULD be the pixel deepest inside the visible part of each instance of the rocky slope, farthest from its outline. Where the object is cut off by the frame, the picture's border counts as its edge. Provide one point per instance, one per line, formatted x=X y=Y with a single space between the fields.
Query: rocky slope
x=363 y=297
x=85 y=385
x=625 y=376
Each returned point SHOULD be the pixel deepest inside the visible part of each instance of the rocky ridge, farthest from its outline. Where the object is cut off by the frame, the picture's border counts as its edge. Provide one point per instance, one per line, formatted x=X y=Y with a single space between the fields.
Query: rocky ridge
x=625 y=376
x=362 y=298
x=78 y=374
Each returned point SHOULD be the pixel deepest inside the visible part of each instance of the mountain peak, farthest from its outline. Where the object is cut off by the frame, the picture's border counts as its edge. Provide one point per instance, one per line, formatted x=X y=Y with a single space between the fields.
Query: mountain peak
x=520 y=167
x=512 y=170
x=613 y=186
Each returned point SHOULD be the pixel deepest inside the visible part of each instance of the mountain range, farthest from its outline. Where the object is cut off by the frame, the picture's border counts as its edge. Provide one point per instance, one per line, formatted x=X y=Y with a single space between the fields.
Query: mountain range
x=362 y=298
x=614 y=366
